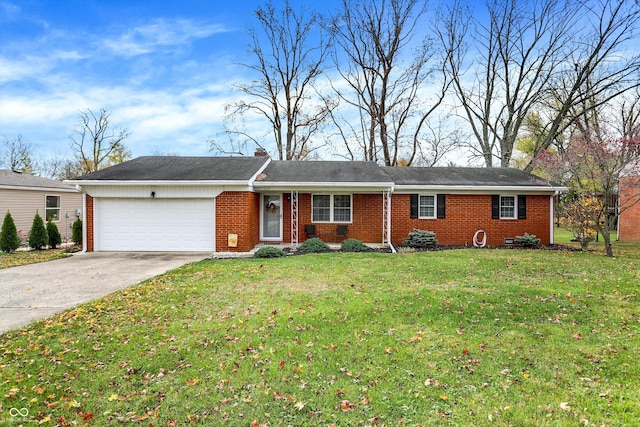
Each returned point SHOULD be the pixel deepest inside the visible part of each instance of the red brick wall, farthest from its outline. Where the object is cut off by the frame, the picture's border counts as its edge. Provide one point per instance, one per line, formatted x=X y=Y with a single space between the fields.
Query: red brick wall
x=89 y=224
x=366 y=220
x=630 y=217
x=237 y=212
x=465 y=214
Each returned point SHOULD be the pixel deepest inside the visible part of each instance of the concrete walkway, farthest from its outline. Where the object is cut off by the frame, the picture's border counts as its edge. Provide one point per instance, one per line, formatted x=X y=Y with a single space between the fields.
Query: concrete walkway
x=36 y=291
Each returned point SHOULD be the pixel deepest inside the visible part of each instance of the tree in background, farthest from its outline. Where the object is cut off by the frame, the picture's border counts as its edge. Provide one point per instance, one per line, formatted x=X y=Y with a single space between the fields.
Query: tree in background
x=391 y=83
x=97 y=143
x=592 y=164
x=9 y=239
x=38 y=237
x=580 y=215
x=16 y=154
x=548 y=57
x=54 y=234
x=289 y=50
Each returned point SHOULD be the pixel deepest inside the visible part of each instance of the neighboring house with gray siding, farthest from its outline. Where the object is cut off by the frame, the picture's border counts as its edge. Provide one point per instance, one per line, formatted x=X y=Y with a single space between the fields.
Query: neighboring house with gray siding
x=23 y=195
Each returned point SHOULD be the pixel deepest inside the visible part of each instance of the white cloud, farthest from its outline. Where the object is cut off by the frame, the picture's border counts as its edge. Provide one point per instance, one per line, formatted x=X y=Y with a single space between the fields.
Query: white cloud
x=160 y=33
x=9 y=11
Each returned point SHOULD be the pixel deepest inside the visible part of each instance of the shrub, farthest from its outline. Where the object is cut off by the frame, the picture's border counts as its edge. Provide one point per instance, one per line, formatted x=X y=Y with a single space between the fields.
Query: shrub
x=38 y=237
x=354 y=245
x=9 y=239
x=313 y=246
x=528 y=240
x=421 y=239
x=269 y=252
x=76 y=231
x=54 y=235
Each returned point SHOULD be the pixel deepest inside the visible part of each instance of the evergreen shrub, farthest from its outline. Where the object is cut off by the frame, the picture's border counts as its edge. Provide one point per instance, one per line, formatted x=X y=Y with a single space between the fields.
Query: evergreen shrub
x=354 y=245
x=54 y=235
x=314 y=245
x=38 y=237
x=269 y=252
x=528 y=240
x=9 y=239
x=421 y=239
x=76 y=231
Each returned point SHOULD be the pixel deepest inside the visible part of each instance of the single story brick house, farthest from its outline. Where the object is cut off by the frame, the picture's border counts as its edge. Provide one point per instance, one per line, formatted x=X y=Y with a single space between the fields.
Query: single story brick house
x=232 y=204
x=23 y=195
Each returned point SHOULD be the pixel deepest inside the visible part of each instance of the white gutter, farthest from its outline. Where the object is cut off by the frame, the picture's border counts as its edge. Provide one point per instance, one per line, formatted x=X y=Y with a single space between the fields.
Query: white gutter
x=477 y=188
x=30 y=188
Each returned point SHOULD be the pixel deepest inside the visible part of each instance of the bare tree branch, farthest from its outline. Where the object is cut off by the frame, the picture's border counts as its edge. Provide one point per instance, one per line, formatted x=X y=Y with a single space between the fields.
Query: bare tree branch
x=288 y=64
x=96 y=143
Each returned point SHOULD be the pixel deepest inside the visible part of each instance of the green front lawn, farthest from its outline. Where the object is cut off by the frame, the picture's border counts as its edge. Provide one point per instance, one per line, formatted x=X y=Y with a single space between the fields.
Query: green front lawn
x=460 y=337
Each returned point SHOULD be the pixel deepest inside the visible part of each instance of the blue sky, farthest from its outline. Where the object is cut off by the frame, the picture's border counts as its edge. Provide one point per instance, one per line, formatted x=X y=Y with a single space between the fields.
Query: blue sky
x=164 y=69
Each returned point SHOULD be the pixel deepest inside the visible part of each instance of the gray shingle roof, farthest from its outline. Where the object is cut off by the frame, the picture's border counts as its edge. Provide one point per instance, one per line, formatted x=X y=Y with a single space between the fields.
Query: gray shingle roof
x=10 y=178
x=324 y=172
x=456 y=176
x=174 y=168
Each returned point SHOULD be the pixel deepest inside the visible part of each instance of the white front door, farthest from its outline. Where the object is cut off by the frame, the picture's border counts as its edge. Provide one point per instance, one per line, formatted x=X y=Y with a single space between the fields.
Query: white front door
x=271 y=218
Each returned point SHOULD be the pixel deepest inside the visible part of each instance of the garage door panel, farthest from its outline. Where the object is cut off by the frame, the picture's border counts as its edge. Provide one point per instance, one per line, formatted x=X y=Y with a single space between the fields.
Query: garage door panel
x=154 y=224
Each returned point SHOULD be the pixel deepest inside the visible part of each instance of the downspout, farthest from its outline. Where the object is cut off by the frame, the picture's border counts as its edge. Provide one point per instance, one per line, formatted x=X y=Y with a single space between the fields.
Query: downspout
x=551 y=218
x=393 y=250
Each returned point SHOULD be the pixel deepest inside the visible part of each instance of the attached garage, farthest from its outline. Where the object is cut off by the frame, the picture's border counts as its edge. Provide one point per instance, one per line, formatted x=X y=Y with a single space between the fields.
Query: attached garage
x=152 y=225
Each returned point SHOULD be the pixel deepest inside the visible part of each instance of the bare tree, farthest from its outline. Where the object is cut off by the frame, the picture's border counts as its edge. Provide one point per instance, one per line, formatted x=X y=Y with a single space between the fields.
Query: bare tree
x=60 y=168
x=538 y=55
x=17 y=154
x=289 y=51
x=97 y=143
x=387 y=69
x=511 y=59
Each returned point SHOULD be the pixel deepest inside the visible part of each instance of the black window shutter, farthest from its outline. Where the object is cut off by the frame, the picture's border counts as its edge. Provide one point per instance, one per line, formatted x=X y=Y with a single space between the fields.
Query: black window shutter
x=495 y=206
x=522 y=207
x=414 y=206
x=441 y=206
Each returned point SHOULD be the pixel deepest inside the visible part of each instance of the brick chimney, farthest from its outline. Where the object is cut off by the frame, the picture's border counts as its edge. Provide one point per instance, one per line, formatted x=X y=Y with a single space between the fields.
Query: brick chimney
x=261 y=152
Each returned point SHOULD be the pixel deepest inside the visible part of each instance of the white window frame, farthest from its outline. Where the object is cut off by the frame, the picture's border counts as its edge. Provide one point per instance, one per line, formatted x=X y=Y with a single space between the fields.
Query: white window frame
x=515 y=206
x=46 y=208
x=332 y=209
x=435 y=206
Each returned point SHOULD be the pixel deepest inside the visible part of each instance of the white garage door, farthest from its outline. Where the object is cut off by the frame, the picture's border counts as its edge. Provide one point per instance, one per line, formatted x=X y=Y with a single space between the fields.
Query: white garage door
x=154 y=225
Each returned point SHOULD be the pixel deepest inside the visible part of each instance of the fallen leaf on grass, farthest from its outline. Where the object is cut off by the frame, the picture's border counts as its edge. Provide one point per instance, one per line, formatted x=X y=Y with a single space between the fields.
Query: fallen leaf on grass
x=565 y=406
x=346 y=406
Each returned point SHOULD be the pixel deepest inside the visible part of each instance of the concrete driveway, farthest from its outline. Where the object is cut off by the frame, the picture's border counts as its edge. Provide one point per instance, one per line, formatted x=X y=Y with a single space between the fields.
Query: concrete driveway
x=36 y=291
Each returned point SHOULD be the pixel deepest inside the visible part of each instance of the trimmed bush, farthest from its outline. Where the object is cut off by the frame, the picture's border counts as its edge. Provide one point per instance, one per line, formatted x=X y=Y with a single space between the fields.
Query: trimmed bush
x=76 y=231
x=269 y=252
x=314 y=246
x=54 y=235
x=9 y=239
x=421 y=239
x=38 y=237
x=354 y=245
x=528 y=240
